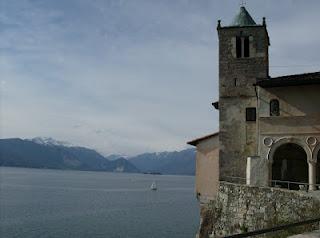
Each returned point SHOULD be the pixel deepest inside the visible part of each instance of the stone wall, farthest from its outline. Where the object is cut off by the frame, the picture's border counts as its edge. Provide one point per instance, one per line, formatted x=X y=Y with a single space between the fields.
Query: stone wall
x=239 y=208
x=238 y=138
x=293 y=101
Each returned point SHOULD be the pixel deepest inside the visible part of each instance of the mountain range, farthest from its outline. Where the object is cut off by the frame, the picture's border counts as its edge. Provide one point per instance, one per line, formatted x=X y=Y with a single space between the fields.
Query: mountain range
x=49 y=153
x=177 y=162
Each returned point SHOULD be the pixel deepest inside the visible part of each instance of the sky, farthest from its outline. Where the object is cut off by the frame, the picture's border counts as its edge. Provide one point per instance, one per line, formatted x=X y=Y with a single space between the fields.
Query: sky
x=131 y=76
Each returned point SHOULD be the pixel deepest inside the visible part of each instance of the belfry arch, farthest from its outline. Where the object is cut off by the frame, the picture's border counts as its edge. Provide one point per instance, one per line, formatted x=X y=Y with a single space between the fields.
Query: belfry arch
x=289 y=163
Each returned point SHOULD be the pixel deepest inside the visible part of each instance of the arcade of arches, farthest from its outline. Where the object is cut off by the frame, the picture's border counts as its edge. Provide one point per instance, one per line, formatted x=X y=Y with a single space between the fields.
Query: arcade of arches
x=290 y=163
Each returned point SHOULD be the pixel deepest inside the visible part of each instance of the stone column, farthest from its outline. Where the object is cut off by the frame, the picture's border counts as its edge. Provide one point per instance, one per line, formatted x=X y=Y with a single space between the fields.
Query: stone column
x=312 y=176
x=270 y=174
x=242 y=47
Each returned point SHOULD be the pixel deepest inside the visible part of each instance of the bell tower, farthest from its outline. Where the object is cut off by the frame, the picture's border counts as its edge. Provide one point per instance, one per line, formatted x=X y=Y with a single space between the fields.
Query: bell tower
x=243 y=58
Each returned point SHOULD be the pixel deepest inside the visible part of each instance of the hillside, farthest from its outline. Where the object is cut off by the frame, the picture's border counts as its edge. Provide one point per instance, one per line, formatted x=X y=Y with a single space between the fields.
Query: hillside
x=177 y=162
x=42 y=154
x=49 y=153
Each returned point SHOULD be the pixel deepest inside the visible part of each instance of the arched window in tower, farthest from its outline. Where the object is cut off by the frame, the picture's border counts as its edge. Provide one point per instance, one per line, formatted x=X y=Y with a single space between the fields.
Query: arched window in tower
x=246 y=47
x=239 y=46
x=243 y=46
x=274 y=107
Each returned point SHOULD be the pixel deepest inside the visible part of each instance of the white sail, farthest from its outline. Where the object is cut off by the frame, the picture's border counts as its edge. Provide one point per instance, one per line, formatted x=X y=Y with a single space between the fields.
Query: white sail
x=153 y=186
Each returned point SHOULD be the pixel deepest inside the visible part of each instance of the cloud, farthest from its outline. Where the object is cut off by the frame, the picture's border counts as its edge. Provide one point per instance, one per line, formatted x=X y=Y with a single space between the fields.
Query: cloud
x=127 y=76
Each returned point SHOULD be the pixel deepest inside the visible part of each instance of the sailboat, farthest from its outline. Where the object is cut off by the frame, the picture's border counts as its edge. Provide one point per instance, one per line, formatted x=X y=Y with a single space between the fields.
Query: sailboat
x=153 y=186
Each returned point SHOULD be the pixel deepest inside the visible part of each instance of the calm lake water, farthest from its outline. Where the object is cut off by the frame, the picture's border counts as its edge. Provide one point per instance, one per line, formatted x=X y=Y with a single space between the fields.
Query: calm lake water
x=75 y=204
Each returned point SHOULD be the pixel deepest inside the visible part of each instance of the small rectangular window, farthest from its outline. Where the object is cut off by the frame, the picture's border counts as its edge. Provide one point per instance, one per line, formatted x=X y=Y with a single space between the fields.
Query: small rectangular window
x=251 y=114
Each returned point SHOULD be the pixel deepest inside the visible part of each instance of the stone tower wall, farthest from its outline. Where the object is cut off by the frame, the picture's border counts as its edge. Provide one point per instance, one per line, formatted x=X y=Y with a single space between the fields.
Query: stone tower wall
x=237 y=76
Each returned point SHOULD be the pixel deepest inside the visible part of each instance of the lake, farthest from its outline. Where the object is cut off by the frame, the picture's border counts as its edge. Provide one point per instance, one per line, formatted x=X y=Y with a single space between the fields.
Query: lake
x=68 y=204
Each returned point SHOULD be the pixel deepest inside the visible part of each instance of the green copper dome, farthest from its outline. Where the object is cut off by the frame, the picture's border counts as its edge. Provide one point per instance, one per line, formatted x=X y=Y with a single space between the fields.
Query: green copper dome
x=243 y=18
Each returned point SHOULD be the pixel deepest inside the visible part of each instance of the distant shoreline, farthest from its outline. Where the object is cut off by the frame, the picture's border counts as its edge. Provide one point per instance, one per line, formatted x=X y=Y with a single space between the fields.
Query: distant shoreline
x=100 y=171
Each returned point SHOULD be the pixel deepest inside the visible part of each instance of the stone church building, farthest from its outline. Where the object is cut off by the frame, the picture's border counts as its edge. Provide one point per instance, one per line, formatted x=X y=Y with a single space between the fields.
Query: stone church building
x=269 y=127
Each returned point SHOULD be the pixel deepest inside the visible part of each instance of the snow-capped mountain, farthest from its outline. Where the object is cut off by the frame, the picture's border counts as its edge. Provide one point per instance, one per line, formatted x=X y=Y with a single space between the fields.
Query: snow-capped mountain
x=49 y=141
x=46 y=152
x=52 y=154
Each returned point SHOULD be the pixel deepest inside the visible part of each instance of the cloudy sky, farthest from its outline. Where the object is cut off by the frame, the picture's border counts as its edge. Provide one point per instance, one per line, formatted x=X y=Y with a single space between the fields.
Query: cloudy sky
x=131 y=76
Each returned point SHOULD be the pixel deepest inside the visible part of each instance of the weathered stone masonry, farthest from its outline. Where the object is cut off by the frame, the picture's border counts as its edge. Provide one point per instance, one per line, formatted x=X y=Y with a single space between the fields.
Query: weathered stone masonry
x=239 y=208
x=237 y=76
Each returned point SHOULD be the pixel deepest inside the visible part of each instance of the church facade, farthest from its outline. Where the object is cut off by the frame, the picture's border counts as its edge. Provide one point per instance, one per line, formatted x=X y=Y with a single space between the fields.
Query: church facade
x=269 y=127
